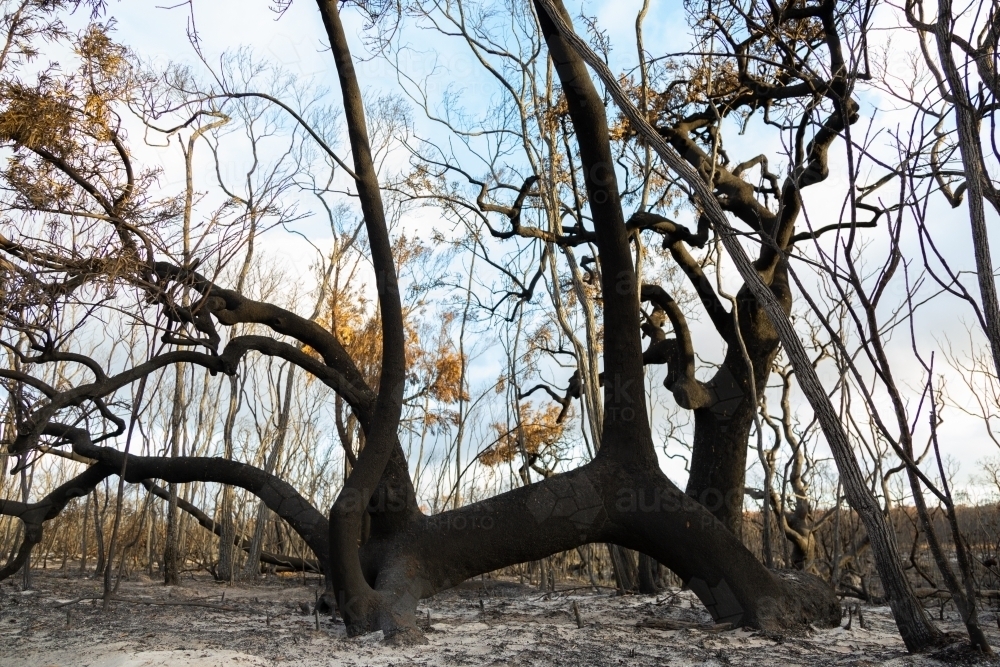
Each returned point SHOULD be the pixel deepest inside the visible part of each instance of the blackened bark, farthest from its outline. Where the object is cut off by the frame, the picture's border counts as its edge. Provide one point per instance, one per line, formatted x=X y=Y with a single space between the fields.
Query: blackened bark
x=648 y=575
x=625 y=430
x=34 y=515
x=635 y=507
x=722 y=429
x=364 y=610
x=621 y=497
x=278 y=495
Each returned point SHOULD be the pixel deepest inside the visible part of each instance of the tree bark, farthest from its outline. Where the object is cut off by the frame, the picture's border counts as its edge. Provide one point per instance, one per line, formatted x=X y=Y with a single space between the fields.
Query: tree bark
x=648 y=575
x=636 y=507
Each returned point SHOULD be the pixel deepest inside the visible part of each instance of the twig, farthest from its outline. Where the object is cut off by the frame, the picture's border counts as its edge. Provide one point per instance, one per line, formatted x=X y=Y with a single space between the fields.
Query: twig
x=162 y=603
x=671 y=624
x=549 y=594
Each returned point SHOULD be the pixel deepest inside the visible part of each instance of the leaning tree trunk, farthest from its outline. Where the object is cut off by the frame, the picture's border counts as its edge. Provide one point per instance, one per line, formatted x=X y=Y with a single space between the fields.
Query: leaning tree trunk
x=970 y=147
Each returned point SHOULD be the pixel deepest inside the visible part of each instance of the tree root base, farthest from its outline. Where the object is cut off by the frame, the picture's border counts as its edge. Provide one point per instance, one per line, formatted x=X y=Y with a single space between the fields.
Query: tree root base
x=405 y=636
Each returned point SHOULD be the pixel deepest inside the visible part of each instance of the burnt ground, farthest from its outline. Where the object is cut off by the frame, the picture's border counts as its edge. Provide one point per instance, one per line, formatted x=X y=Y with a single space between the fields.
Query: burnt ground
x=482 y=622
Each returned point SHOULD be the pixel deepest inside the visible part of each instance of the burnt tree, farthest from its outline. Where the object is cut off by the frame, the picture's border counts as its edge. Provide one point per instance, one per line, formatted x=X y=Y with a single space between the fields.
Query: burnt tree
x=72 y=162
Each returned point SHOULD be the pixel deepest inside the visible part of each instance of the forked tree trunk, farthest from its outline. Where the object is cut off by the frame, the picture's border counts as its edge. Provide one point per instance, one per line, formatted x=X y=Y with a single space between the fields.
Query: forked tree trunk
x=917 y=631
x=621 y=497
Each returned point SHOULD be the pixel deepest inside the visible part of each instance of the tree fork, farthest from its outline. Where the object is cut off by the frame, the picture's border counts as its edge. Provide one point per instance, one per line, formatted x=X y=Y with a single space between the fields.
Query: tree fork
x=916 y=628
x=602 y=501
x=360 y=606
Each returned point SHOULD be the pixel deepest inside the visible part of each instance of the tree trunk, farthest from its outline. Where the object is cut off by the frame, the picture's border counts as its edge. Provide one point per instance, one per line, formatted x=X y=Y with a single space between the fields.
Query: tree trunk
x=623 y=564
x=83 y=538
x=252 y=568
x=722 y=430
x=99 y=533
x=648 y=575
x=227 y=554
x=171 y=556
x=638 y=508
x=26 y=584
x=914 y=625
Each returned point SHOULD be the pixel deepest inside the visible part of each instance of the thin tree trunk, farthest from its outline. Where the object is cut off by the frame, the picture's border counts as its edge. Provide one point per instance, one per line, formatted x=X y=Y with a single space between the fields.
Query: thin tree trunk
x=109 y=566
x=227 y=553
x=461 y=388
x=171 y=557
x=967 y=124
x=26 y=480
x=251 y=569
x=83 y=538
x=99 y=533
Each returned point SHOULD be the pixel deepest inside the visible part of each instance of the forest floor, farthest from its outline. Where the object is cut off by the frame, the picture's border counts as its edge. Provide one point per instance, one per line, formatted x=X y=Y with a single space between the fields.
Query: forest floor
x=489 y=622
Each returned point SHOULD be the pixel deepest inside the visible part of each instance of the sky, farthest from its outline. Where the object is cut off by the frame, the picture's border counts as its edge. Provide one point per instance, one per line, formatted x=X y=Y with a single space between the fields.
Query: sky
x=295 y=41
